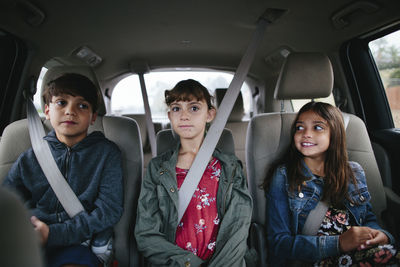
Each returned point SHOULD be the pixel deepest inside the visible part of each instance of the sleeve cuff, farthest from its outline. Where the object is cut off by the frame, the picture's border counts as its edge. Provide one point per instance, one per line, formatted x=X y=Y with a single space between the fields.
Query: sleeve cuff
x=390 y=237
x=191 y=260
x=54 y=237
x=329 y=246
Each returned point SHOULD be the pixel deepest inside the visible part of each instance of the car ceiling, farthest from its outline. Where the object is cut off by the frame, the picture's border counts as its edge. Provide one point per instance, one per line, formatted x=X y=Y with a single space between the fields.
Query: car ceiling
x=172 y=33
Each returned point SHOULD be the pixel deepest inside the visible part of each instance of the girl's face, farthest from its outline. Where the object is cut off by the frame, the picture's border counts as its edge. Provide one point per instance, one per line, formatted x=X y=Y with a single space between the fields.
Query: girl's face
x=189 y=118
x=312 y=135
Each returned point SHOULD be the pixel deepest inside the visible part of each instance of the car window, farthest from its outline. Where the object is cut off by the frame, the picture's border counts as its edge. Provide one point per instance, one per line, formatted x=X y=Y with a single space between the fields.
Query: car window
x=36 y=98
x=127 y=96
x=298 y=103
x=386 y=53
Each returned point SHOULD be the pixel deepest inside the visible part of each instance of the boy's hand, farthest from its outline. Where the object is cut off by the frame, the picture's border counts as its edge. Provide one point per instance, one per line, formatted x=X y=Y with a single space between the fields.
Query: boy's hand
x=354 y=238
x=41 y=228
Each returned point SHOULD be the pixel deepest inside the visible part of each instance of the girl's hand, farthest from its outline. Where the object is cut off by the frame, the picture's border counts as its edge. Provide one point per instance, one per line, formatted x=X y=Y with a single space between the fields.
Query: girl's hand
x=354 y=238
x=41 y=228
x=378 y=238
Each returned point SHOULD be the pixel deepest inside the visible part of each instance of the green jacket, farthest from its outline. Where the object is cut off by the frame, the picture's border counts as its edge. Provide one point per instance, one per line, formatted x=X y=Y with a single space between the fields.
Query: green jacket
x=157 y=214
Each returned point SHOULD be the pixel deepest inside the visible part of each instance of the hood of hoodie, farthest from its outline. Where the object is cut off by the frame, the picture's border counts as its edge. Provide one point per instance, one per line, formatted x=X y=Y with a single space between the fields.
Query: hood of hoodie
x=89 y=140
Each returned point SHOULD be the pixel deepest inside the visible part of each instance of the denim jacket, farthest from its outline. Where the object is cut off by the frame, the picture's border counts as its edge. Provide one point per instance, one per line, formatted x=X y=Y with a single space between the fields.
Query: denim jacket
x=287 y=212
x=93 y=170
x=157 y=214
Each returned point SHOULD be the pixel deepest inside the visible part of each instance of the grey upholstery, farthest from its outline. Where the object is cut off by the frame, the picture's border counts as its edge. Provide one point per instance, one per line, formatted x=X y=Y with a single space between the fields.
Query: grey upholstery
x=235 y=124
x=269 y=136
x=19 y=244
x=121 y=130
x=237 y=110
x=305 y=76
x=141 y=121
x=167 y=139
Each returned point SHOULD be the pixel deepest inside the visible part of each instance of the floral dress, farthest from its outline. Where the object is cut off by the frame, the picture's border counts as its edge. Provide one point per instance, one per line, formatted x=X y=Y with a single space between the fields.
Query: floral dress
x=197 y=231
x=338 y=221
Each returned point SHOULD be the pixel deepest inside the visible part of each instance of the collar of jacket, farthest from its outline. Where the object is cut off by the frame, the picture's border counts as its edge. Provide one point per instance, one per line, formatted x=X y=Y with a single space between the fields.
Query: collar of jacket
x=168 y=164
x=89 y=140
x=308 y=173
x=171 y=158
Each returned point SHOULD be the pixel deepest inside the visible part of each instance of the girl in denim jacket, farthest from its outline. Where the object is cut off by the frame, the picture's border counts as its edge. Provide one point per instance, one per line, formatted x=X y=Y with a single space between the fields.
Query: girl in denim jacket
x=316 y=169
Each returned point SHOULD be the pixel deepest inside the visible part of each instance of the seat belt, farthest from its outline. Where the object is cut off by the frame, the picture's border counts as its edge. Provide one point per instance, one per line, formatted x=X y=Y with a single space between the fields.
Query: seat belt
x=61 y=188
x=315 y=218
x=200 y=162
x=149 y=122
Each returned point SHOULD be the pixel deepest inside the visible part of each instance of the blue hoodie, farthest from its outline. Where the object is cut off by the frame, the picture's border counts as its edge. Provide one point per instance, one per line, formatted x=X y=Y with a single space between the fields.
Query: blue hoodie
x=93 y=170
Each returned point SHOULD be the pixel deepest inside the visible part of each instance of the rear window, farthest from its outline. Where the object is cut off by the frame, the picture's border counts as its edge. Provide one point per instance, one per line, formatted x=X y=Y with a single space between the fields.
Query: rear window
x=127 y=95
x=36 y=98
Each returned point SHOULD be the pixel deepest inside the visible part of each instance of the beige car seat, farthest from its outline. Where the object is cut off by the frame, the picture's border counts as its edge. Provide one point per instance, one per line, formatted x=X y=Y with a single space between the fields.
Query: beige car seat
x=19 y=244
x=236 y=124
x=121 y=130
x=303 y=76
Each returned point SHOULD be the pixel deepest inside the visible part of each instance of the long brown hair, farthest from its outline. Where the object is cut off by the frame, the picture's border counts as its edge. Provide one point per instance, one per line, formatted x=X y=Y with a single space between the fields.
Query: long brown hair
x=338 y=173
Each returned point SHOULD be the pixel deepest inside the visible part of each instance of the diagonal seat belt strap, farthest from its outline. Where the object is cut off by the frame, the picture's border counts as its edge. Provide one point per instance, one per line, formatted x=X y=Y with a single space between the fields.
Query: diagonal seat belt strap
x=149 y=122
x=207 y=148
x=41 y=148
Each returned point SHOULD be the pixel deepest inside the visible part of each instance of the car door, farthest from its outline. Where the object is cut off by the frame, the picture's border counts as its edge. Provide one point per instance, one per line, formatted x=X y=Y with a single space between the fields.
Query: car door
x=13 y=54
x=371 y=64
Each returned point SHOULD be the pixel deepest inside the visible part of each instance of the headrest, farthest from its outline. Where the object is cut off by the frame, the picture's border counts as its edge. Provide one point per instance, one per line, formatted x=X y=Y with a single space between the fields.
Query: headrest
x=305 y=76
x=237 y=110
x=167 y=139
x=55 y=72
x=141 y=121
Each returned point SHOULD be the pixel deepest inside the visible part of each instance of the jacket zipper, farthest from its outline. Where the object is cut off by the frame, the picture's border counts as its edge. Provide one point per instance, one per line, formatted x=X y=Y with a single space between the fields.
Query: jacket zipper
x=58 y=215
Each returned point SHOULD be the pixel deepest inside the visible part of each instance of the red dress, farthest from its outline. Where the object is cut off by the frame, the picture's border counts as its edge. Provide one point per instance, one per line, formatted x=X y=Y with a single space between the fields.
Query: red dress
x=198 y=229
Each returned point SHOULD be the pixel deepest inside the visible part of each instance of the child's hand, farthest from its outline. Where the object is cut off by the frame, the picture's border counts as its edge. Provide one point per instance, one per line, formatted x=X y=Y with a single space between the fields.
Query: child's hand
x=377 y=238
x=41 y=228
x=354 y=238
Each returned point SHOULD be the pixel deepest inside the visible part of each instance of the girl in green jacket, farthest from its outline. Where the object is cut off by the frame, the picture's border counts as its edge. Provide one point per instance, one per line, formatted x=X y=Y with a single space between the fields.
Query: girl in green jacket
x=214 y=227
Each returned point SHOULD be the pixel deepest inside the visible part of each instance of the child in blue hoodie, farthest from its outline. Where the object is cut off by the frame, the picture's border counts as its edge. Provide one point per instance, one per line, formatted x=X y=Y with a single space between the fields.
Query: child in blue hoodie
x=91 y=165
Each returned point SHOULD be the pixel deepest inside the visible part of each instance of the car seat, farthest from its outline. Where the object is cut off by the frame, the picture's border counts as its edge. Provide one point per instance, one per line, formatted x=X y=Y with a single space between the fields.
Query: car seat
x=19 y=243
x=304 y=76
x=121 y=130
x=141 y=121
x=236 y=124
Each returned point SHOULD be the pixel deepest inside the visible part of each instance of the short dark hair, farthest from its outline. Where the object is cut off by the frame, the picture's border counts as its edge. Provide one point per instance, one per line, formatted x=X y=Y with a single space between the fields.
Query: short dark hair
x=186 y=90
x=72 y=84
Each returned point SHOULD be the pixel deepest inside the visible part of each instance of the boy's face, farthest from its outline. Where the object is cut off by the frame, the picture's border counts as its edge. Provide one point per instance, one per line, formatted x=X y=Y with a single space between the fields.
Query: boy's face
x=189 y=118
x=70 y=117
